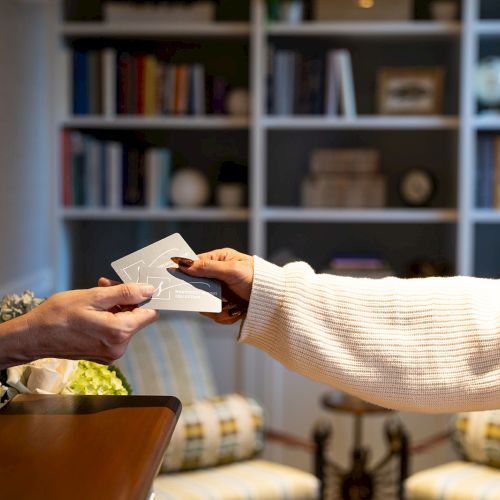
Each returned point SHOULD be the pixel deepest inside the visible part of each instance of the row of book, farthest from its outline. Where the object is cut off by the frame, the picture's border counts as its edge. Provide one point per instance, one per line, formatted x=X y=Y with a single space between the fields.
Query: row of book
x=300 y=84
x=146 y=85
x=110 y=174
x=488 y=172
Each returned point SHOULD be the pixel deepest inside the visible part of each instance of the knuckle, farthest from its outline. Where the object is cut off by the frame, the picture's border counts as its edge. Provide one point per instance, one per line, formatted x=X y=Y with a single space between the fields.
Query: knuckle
x=127 y=292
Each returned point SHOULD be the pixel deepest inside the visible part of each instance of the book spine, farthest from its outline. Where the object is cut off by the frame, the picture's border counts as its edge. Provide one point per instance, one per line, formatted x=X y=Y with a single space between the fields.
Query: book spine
x=66 y=168
x=348 y=101
x=150 y=85
x=140 y=87
x=114 y=168
x=122 y=82
x=80 y=83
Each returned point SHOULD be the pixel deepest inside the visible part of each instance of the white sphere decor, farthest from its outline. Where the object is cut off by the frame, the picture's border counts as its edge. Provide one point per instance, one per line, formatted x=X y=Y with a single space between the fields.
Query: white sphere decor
x=189 y=188
x=238 y=102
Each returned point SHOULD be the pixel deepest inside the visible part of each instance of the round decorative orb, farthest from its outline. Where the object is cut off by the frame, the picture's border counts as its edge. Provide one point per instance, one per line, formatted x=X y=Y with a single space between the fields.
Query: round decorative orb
x=488 y=81
x=189 y=188
x=238 y=102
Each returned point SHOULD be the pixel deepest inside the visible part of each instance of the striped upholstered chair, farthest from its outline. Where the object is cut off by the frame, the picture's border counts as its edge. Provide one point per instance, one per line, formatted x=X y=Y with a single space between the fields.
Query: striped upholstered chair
x=214 y=450
x=476 y=475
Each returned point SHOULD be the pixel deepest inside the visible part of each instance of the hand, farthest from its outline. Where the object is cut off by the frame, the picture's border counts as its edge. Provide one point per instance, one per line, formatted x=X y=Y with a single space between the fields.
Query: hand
x=234 y=270
x=90 y=324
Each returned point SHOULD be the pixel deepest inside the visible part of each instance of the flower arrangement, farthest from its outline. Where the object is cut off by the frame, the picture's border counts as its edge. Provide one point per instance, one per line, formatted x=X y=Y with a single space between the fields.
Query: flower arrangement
x=51 y=375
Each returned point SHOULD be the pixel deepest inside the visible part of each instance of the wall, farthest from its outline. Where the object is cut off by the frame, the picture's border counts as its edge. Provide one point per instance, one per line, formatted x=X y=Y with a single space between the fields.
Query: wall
x=24 y=148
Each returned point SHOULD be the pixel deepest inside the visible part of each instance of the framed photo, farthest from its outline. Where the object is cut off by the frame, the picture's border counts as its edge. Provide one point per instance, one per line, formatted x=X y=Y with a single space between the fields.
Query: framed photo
x=410 y=91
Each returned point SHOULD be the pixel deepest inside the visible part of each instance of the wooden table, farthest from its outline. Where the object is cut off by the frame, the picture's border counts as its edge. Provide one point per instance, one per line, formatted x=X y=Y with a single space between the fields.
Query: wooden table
x=83 y=447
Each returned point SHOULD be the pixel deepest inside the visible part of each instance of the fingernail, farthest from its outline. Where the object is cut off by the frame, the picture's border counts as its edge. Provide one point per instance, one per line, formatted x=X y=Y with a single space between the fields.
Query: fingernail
x=182 y=261
x=147 y=290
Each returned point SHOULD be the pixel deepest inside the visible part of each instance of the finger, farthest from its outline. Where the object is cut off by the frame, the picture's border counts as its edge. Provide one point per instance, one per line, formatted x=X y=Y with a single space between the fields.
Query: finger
x=138 y=318
x=102 y=281
x=209 y=269
x=124 y=294
x=222 y=254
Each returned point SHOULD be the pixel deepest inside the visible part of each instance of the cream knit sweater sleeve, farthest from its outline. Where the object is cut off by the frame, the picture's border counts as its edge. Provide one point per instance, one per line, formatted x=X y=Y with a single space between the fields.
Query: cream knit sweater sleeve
x=429 y=345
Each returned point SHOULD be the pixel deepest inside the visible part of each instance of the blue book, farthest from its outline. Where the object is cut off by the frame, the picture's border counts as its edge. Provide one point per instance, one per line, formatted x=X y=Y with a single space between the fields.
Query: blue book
x=81 y=102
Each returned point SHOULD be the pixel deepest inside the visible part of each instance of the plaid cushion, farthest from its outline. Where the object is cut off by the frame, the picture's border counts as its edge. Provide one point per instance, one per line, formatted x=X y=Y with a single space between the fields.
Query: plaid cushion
x=476 y=436
x=454 y=481
x=215 y=431
x=248 y=480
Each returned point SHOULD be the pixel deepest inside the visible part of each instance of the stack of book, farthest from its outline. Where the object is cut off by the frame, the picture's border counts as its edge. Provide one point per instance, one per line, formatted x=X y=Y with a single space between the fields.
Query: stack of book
x=110 y=174
x=86 y=82
x=298 y=84
x=344 y=178
x=149 y=86
x=359 y=266
x=488 y=172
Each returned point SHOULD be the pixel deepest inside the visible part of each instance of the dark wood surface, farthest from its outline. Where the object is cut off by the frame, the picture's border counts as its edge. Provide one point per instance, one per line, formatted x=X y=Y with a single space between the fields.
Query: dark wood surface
x=83 y=447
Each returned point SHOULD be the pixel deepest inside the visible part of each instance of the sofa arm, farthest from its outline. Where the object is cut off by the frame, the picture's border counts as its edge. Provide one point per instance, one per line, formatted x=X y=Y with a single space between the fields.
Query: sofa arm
x=476 y=436
x=215 y=431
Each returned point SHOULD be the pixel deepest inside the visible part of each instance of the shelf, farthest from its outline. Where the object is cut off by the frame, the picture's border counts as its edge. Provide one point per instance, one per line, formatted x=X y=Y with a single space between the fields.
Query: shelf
x=146 y=214
x=487 y=122
x=488 y=28
x=486 y=216
x=361 y=122
x=151 y=30
x=422 y=29
x=360 y=215
x=157 y=122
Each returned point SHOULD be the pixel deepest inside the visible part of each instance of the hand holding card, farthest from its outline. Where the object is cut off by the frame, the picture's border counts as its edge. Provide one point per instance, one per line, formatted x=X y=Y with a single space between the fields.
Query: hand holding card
x=174 y=290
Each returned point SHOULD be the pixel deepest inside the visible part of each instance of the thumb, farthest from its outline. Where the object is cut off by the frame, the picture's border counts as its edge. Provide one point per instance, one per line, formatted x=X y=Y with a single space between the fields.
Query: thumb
x=125 y=294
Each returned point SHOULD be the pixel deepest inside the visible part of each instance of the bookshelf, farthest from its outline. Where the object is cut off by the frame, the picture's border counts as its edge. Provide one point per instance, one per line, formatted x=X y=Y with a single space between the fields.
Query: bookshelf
x=276 y=150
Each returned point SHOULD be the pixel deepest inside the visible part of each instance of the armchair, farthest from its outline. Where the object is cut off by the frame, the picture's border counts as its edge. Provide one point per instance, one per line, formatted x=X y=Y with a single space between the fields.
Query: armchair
x=476 y=437
x=214 y=451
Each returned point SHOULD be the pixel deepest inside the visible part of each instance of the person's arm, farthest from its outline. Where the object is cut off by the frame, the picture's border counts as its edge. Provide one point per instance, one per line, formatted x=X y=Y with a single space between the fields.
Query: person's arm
x=79 y=324
x=428 y=344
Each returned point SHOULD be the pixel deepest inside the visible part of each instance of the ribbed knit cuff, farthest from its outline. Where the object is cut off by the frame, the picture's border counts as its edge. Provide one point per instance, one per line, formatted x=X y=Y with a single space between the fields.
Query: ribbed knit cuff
x=265 y=304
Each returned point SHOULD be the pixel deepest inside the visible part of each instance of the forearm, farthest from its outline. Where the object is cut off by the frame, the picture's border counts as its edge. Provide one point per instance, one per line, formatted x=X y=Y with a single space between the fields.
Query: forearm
x=16 y=342
x=420 y=345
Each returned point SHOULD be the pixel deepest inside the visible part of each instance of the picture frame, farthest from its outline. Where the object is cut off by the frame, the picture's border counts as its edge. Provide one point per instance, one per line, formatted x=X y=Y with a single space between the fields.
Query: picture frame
x=410 y=91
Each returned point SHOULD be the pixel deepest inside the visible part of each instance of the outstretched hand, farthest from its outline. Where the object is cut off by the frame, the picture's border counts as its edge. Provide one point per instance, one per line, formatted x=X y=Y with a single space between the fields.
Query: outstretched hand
x=234 y=270
x=94 y=324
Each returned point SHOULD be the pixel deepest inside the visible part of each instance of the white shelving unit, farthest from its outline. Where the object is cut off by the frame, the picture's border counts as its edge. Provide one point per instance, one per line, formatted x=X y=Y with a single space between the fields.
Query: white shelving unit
x=452 y=225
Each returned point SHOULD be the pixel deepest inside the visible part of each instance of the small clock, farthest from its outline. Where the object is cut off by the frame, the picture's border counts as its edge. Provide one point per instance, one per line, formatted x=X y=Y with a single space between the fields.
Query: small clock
x=417 y=187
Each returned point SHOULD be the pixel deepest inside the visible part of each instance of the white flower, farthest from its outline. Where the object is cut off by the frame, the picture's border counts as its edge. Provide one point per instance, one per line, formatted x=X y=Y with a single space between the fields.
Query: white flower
x=43 y=376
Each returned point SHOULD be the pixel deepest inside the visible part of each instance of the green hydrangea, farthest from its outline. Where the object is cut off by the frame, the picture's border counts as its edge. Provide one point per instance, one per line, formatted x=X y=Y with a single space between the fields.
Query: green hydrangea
x=91 y=378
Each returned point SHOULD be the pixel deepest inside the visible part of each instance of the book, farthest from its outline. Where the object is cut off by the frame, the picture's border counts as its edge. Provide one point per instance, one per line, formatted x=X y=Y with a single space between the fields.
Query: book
x=149 y=85
x=181 y=89
x=157 y=171
x=114 y=156
x=347 y=94
x=66 y=154
x=332 y=84
x=80 y=84
x=78 y=171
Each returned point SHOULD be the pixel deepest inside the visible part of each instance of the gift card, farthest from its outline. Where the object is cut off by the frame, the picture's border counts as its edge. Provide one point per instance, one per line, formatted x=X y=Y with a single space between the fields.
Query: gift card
x=157 y=255
x=174 y=290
